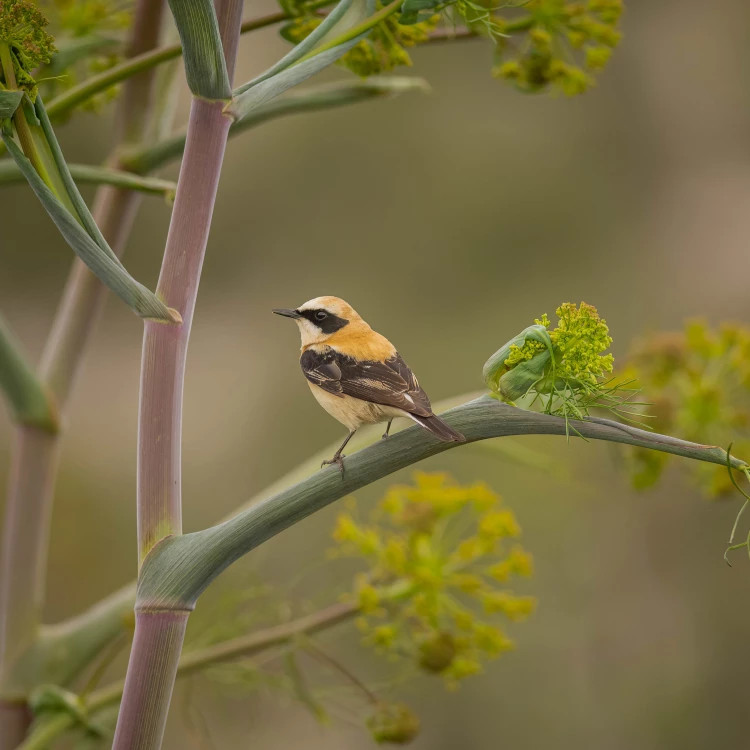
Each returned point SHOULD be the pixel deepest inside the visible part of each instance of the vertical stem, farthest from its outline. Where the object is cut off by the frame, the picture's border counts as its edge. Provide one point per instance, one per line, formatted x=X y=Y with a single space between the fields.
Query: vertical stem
x=165 y=351
x=19 y=118
x=28 y=516
x=159 y=633
x=15 y=719
x=165 y=347
x=84 y=296
x=34 y=460
x=151 y=674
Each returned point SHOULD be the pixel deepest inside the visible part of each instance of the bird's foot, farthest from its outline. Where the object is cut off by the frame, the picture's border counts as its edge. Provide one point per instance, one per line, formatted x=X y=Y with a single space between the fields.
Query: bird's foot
x=387 y=430
x=337 y=460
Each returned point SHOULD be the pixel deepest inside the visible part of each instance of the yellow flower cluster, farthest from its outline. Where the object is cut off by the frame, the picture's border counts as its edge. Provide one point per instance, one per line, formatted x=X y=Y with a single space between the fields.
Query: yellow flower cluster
x=698 y=383
x=564 y=45
x=28 y=45
x=437 y=559
x=565 y=368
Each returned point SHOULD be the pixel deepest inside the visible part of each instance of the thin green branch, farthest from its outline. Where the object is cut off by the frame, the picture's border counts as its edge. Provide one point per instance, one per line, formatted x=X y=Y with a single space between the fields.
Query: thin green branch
x=42 y=737
x=30 y=401
x=93 y=175
x=247 y=645
x=315 y=99
x=200 y=659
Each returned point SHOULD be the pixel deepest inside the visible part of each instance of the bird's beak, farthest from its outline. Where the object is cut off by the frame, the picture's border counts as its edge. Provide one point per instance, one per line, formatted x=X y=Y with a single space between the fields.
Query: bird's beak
x=288 y=313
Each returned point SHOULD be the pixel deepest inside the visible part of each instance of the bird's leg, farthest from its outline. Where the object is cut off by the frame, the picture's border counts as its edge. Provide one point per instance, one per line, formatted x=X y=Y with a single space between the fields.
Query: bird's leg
x=338 y=457
x=387 y=429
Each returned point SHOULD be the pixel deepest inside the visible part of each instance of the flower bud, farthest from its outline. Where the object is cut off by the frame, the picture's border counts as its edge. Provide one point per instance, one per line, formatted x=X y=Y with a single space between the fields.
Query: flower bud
x=437 y=652
x=393 y=723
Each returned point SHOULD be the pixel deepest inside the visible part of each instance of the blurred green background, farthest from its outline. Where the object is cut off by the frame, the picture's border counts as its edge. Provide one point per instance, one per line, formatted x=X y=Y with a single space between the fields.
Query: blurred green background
x=449 y=222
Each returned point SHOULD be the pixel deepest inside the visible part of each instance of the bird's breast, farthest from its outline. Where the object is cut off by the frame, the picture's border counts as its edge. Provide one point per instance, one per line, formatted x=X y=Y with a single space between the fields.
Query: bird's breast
x=353 y=412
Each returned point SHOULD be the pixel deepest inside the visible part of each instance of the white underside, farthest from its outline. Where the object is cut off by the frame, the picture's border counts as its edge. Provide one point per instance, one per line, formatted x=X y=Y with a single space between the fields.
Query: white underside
x=353 y=412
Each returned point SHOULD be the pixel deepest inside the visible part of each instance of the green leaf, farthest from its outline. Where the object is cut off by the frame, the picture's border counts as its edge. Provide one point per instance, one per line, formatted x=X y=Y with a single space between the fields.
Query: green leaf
x=336 y=16
x=517 y=382
x=9 y=101
x=304 y=61
x=104 y=265
x=27 y=397
x=495 y=367
x=205 y=66
x=70 y=187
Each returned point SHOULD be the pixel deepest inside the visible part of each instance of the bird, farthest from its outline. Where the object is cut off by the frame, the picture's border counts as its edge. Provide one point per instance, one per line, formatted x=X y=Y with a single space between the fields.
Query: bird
x=356 y=374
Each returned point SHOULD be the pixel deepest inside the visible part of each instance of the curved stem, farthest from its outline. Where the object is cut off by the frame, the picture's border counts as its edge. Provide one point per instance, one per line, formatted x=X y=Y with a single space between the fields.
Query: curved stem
x=180 y=568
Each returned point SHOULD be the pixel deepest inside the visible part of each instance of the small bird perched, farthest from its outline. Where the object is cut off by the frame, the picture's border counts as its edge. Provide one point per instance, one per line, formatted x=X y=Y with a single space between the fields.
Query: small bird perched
x=356 y=374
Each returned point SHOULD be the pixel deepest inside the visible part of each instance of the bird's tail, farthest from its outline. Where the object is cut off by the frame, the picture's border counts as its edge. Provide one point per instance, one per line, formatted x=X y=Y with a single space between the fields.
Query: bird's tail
x=439 y=429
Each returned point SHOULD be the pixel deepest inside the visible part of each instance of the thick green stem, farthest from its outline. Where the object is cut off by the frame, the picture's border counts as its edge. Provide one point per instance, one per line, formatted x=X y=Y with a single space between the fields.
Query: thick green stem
x=181 y=568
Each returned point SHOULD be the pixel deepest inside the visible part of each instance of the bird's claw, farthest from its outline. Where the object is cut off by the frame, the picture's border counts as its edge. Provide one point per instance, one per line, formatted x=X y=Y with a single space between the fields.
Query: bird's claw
x=337 y=460
x=385 y=436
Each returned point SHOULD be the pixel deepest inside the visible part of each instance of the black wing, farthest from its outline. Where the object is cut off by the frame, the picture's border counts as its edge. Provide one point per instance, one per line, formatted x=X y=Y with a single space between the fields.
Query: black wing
x=389 y=383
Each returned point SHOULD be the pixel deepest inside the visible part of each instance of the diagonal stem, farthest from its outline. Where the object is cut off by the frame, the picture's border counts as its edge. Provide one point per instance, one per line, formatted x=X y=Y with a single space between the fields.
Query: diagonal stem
x=181 y=568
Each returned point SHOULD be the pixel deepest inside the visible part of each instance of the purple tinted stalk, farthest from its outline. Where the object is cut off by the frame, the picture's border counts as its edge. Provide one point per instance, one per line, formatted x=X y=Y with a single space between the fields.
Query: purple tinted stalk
x=165 y=347
x=26 y=535
x=165 y=351
x=160 y=628
x=151 y=674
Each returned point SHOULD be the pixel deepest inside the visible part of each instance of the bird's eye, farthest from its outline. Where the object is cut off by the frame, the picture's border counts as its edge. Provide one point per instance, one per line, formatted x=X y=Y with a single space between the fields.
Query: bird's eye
x=320 y=315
